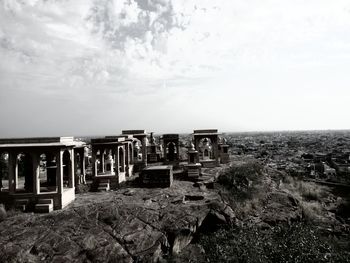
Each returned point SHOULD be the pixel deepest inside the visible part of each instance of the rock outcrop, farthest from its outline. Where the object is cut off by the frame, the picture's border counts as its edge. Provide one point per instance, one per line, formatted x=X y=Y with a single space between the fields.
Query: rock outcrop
x=127 y=225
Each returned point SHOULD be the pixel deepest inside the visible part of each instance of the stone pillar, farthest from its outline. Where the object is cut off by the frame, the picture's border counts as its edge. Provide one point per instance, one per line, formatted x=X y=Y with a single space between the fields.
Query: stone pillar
x=36 y=173
x=122 y=164
x=77 y=180
x=82 y=167
x=102 y=154
x=59 y=171
x=12 y=166
x=144 y=150
x=127 y=159
x=131 y=152
x=94 y=162
x=16 y=172
x=117 y=171
x=71 y=170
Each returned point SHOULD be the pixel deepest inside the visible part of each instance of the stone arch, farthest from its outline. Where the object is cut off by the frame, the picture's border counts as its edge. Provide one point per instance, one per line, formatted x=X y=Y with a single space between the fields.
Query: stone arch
x=25 y=176
x=171 y=151
x=43 y=172
x=67 y=162
x=51 y=168
x=206 y=148
x=137 y=145
x=109 y=161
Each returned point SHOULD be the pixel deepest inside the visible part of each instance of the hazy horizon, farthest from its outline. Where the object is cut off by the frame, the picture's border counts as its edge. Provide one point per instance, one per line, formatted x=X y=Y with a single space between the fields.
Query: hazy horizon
x=88 y=67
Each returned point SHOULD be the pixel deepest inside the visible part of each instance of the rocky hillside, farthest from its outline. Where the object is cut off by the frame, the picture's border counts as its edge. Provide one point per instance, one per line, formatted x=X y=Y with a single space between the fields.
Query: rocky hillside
x=128 y=225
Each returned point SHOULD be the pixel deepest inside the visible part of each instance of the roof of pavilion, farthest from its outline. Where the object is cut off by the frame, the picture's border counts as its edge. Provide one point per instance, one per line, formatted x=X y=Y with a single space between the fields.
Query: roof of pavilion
x=205 y=132
x=40 y=142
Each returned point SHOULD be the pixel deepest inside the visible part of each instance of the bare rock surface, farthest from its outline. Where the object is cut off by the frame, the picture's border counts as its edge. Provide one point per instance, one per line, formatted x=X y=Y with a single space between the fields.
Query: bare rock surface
x=127 y=225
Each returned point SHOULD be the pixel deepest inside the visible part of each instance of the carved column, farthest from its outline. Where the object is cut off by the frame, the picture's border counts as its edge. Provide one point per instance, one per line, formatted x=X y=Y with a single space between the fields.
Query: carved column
x=131 y=152
x=12 y=163
x=36 y=173
x=82 y=167
x=77 y=175
x=117 y=163
x=144 y=151
x=71 y=171
x=59 y=171
x=94 y=162
x=102 y=154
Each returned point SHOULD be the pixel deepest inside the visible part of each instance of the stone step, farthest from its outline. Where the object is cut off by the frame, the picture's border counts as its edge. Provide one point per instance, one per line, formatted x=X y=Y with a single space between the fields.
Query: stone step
x=101 y=189
x=103 y=186
x=45 y=201
x=21 y=204
x=22 y=208
x=102 y=181
x=21 y=201
x=43 y=208
x=193 y=173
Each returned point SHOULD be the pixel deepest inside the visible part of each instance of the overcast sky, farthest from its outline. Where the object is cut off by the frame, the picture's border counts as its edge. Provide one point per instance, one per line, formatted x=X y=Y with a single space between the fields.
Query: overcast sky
x=84 y=67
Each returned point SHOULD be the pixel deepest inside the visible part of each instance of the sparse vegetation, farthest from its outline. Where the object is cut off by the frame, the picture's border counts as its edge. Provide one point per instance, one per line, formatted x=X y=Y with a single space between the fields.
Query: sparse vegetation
x=242 y=180
x=248 y=189
x=284 y=243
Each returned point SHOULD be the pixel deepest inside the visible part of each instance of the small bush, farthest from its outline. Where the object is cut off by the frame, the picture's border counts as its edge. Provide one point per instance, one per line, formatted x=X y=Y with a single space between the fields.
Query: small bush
x=311 y=211
x=311 y=191
x=241 y=180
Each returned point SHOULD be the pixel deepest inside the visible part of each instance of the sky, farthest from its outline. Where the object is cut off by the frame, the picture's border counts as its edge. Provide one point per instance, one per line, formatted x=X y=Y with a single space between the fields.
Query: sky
x=96 y=67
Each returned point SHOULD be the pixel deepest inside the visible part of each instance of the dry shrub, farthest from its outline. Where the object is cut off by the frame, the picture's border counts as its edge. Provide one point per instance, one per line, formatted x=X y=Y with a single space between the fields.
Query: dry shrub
x=311 y=191
x=242 y=180
x=304 y=190
x=247 y=207
x=312 y=211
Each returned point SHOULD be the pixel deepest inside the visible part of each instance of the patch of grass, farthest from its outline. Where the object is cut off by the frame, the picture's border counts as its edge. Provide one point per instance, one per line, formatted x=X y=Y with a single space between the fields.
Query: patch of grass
x=311 y=191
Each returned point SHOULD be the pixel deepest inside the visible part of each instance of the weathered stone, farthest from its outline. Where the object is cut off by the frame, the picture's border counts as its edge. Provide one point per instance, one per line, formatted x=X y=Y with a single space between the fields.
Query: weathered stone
x=114 y=227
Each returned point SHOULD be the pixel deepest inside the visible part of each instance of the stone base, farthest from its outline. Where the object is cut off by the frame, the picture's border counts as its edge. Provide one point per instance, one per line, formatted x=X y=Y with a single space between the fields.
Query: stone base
x=157 y=176
x=209 y=163
x=193 y=170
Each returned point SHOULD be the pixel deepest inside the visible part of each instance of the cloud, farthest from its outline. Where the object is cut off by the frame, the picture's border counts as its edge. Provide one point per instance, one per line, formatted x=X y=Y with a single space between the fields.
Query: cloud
x=127 y=53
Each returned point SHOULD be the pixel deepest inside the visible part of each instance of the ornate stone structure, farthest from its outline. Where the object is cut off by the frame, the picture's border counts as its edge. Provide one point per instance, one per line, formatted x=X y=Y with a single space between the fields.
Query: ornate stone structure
x=112 y=160
x=140 y=143
x=154 y=150
x=157 y=176
x=206 y=143
x=171 y=147
x=193 y=168
x=223 y=151
x=41 y=172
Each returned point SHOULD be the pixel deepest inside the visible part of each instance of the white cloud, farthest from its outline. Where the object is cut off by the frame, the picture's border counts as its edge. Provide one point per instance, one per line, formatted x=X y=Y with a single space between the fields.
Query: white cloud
x=128 y=51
